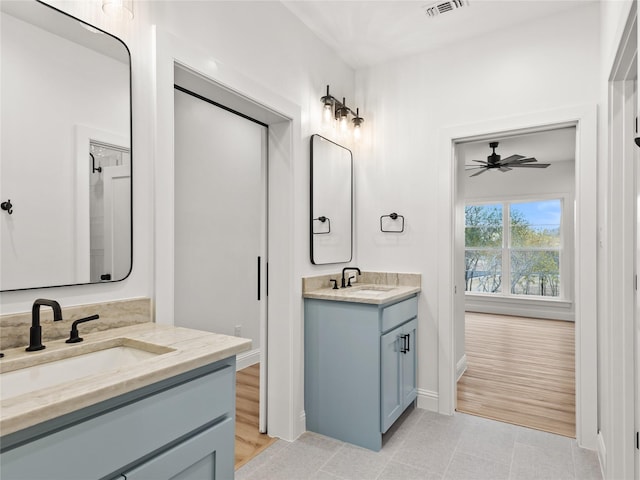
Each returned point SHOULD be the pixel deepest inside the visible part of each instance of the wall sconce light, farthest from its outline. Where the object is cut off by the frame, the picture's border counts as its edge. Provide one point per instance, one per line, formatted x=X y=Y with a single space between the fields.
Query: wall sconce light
x=120 y=9
x=339 y=111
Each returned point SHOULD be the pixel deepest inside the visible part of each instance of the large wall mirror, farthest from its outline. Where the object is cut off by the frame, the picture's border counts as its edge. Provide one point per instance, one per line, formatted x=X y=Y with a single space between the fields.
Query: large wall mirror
x=65 y=165
x=331 y=202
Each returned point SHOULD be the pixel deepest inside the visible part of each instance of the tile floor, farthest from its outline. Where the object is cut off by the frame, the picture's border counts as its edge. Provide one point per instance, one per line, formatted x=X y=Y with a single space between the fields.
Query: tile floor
x=424 y=445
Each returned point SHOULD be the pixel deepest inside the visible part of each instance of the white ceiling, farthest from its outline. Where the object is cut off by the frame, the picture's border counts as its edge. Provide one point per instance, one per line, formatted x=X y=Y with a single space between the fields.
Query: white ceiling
x=369 y=32
x=549 y=146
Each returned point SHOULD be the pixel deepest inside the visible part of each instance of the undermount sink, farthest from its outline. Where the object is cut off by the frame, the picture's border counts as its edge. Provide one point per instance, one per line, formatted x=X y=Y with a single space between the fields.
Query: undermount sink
x=63 y=366
x=371 y=290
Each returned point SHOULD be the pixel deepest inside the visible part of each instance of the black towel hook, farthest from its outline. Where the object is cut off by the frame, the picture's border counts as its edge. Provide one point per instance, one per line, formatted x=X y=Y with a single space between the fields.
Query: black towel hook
x=7 y=206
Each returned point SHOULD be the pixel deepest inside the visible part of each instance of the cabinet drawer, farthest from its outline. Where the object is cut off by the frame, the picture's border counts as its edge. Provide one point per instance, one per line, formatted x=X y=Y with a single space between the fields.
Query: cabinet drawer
x=398 y=313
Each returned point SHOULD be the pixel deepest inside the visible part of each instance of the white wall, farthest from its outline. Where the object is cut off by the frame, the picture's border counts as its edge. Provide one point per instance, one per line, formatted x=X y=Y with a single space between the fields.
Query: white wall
x=495 y=76
x=49 y=86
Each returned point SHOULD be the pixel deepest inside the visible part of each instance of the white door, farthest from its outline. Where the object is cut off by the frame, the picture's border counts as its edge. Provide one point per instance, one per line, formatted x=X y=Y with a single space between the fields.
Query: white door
x=117 y=221
x=220 y=222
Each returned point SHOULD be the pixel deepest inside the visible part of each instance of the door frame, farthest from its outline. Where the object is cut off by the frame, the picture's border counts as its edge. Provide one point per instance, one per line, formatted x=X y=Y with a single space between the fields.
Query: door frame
x=284 y=405
x=585 y=120
x=619 y=331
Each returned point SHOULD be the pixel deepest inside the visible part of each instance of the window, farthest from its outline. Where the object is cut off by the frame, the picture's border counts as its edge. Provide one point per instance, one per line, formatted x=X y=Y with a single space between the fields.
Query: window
x=514 y=248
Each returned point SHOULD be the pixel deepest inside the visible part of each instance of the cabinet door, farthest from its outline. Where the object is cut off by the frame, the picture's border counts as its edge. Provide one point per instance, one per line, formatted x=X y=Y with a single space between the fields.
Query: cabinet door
x=208 y=455
x=390 y=399
x=408 y=361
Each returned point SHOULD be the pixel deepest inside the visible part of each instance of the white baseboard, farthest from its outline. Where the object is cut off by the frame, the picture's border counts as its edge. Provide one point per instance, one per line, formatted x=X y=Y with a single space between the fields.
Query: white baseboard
x=523 y=308
x=602 y=454
x=302 y=424
x=461 y=367
x=246 y=359
x=428 y=400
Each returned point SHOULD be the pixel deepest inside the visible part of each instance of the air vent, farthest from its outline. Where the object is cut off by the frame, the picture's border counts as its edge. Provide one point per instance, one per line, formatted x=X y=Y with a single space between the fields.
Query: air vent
x=444 y=7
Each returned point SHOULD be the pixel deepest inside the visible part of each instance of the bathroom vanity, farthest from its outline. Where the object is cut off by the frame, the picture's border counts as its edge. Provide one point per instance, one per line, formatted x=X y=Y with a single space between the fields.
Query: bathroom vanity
x=168 y=413
x=360 y=360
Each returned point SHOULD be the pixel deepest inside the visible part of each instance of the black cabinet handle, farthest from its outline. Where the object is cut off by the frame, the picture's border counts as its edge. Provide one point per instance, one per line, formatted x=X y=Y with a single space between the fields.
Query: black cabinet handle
x=408 y=338
x=403 y=348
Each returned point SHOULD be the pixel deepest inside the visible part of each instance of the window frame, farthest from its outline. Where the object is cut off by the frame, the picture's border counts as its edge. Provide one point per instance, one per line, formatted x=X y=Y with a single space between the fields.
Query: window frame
x=565 y=249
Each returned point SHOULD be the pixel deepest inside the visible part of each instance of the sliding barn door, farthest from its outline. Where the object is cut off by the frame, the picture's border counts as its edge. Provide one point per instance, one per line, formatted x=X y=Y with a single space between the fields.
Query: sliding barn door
x=220 y=219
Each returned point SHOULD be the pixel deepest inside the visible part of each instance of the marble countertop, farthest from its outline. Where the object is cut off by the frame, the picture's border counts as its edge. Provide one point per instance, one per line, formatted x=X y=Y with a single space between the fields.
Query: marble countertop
x=374 y=293
x=186 y=349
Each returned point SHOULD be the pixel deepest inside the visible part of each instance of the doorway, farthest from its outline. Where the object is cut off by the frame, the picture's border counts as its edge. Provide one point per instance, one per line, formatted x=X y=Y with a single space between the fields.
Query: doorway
x=451 y=296
x=284 y=392
x=517 y=250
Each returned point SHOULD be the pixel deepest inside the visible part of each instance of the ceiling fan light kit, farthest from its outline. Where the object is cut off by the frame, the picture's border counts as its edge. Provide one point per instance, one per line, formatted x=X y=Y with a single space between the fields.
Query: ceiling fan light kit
x=495 y=161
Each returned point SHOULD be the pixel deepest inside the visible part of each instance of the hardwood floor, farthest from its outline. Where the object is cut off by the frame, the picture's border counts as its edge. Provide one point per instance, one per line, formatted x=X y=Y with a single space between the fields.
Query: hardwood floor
x=249 y=441
x=520 y=371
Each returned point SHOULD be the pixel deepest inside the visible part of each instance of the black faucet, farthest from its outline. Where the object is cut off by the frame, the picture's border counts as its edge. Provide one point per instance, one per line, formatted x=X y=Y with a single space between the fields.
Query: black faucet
x=73 y=334
x=35 y=332
x=343 y=283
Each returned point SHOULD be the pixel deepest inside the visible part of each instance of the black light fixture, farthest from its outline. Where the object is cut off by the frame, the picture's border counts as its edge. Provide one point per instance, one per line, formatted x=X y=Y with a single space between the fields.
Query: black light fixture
x=335 y=109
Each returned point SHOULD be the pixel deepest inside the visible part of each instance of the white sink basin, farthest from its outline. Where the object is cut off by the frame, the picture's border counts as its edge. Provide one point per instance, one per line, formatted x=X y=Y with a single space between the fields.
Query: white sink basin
x=374 y=291
x=60 y=370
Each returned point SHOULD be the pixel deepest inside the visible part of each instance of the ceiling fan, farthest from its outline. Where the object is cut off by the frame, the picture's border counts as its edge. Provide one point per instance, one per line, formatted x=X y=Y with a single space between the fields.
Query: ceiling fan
x=514 y=161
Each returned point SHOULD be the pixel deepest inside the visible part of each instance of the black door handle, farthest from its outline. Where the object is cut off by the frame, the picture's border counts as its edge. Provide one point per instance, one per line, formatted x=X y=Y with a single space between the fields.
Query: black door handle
x=258 y=278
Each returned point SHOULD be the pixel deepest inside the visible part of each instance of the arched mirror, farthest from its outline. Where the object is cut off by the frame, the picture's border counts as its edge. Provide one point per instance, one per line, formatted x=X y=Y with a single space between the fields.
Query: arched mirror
x=331 y=202
x=66 y=150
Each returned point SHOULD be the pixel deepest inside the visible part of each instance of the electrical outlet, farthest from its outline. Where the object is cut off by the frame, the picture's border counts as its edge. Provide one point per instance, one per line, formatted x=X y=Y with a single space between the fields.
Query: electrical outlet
x=237 y=331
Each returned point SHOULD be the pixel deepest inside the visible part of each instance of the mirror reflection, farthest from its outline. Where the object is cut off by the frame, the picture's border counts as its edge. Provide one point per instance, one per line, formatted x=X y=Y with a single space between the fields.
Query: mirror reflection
x=65 y=161
x=331 y=202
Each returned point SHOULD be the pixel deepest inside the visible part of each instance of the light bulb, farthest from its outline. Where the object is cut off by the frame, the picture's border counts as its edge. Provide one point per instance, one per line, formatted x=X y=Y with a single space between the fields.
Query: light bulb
x=327 y=112
x=343 y=123
x=356 y=132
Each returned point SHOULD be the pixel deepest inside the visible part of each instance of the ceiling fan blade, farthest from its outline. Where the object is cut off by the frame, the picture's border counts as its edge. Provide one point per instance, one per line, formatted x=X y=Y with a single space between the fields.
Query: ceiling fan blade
x=521 y=160
x=480 y=161
x=473 y=167
x=536 y=165
x=504 y=168
x=478 y=173
x=511 y=158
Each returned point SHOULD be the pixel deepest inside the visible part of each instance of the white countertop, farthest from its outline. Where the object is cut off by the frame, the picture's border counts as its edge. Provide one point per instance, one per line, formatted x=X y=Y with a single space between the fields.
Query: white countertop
x=190 y=349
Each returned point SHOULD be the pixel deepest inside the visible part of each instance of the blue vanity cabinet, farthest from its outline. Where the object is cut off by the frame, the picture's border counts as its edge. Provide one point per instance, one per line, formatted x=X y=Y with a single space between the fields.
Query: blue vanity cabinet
x=179 y=428
x=360 y=367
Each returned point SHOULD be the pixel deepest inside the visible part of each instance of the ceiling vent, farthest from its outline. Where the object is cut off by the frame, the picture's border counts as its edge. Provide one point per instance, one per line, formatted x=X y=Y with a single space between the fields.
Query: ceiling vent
x=444 y=7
